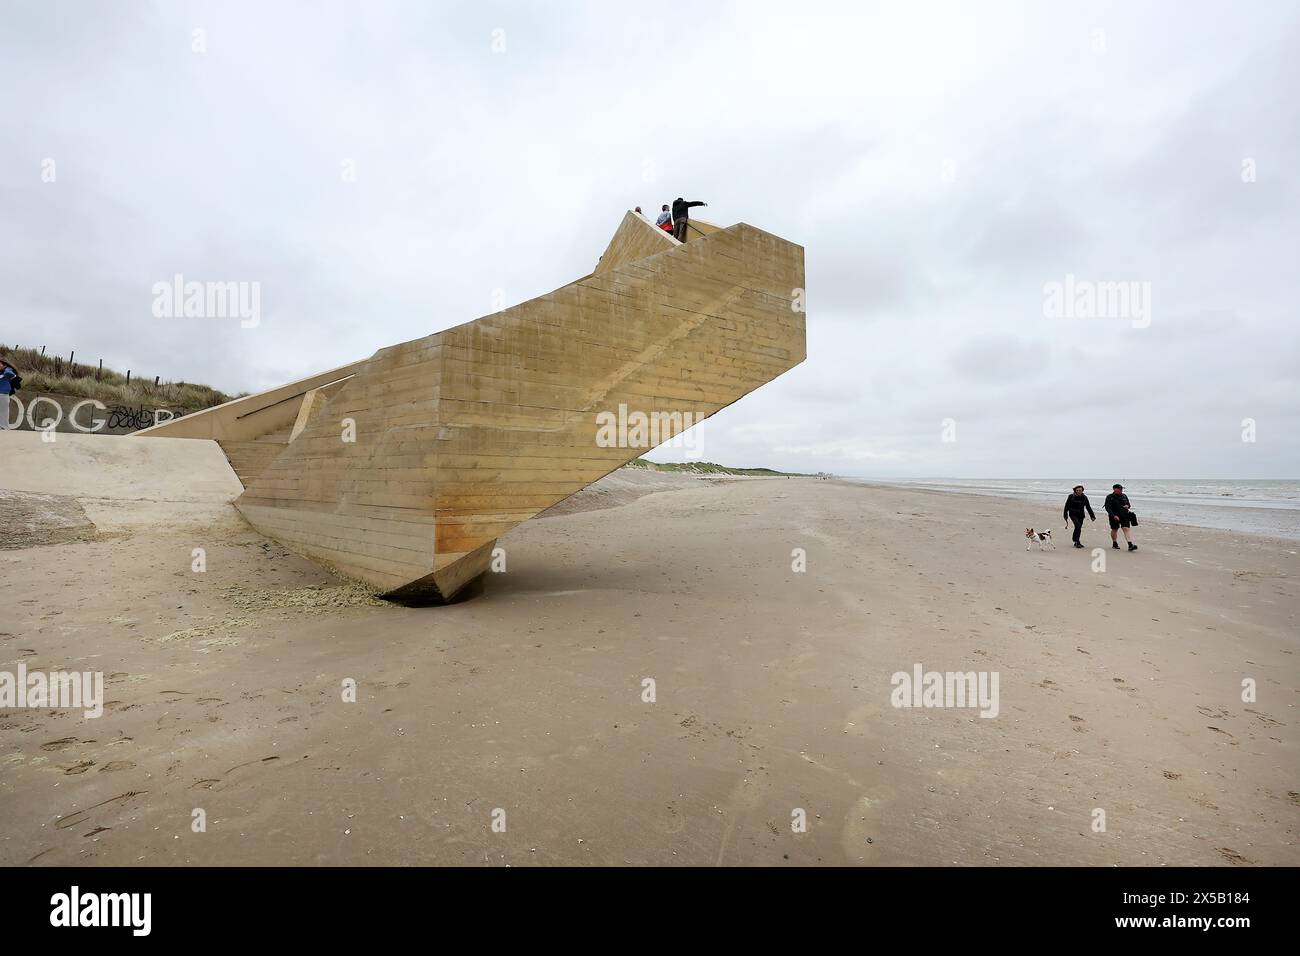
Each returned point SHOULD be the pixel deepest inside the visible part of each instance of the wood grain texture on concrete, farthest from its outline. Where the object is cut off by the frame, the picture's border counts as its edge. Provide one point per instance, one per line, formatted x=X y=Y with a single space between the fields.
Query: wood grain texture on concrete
x=406 y=473
x=635 y=238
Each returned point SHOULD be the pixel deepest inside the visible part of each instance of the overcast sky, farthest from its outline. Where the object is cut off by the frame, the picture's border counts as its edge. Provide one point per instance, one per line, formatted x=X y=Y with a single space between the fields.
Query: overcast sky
x=942 y=165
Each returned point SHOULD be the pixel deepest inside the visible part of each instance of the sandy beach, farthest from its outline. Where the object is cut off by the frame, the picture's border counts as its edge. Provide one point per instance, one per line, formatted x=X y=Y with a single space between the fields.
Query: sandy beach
x=1120 y=691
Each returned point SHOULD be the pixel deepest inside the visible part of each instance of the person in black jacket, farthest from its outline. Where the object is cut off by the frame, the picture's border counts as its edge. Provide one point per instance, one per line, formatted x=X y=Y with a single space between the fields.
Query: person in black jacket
x=681 y=216
x=1121 y=516
x=1075 y=506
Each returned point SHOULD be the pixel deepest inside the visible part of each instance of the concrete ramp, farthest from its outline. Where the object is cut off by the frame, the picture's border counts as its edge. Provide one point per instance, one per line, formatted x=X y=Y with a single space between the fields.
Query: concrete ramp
x=119 y=480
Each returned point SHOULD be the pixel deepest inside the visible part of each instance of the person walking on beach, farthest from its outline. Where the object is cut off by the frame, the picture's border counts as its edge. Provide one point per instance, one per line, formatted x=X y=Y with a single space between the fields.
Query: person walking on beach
x=7 y=375
x=1075 y=505
x=681 y=216
x=1121 y=516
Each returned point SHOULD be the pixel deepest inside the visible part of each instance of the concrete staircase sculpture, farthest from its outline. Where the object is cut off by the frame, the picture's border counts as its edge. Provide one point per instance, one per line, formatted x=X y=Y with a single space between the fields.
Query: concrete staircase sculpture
x=404 y=469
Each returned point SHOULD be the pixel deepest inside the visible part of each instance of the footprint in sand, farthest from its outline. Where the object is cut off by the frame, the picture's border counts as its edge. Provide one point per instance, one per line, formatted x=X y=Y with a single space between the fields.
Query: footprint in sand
x=1233 y=857
x=63 y=744
x=1264 y=719
x=1170 y=775
x=72 y=819
x=80 y=766
x=114 y=765
x=209 y=783
x=1078 y=724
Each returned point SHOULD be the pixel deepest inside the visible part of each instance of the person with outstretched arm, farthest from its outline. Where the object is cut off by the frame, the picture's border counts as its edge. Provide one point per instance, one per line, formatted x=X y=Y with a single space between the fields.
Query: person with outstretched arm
x=681 y=216
x=1121 y=516
x=1075 y=505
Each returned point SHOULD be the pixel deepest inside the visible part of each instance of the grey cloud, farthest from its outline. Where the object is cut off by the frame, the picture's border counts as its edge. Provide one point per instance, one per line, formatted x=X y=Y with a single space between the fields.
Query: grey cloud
x=830 y=125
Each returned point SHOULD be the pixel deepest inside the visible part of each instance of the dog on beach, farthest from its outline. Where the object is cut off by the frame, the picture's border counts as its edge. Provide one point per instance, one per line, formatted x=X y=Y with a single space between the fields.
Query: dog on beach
x=1044 y=538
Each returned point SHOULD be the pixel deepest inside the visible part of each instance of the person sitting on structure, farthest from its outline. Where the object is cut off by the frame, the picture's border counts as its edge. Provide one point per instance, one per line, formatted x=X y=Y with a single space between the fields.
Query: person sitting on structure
x=665 y=220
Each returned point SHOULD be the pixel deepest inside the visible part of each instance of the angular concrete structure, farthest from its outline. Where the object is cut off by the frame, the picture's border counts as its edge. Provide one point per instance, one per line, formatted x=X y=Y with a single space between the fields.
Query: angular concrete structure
x=403 y=470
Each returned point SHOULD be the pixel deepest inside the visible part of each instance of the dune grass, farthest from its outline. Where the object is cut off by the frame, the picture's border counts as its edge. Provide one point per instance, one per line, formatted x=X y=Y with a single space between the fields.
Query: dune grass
x=44 y=373
x=710 y=468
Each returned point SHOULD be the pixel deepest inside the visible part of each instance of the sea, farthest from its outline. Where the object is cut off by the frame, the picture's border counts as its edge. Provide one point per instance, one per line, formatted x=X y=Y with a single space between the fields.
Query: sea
x=1255 y=506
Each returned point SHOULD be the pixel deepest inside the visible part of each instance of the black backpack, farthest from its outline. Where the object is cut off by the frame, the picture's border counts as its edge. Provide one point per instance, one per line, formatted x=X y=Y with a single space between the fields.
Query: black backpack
x=16 y=382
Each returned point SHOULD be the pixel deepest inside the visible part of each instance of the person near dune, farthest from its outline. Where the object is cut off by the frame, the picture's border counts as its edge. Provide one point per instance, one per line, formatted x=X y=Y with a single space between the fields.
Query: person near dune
x=8 y=374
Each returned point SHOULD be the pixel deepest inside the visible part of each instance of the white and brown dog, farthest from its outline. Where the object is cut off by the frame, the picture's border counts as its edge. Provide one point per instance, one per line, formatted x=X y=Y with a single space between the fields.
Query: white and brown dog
x=1044 y=538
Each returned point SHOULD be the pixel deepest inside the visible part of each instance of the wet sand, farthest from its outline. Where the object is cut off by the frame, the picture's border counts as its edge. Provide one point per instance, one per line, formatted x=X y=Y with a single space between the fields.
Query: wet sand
x=1120 y=691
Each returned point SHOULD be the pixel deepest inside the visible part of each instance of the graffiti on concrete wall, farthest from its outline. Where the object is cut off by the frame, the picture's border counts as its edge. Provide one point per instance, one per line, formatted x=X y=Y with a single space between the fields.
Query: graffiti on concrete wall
x=133 y=419
x=66 y=413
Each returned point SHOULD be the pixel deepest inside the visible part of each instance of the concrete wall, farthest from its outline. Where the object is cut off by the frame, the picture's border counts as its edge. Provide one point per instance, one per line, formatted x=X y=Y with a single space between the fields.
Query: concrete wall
x=107 y=418
x=116 y=468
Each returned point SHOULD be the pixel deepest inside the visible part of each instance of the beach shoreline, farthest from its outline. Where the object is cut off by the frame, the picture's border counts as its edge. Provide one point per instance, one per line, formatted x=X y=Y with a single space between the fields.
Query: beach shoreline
x=1275 y=519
